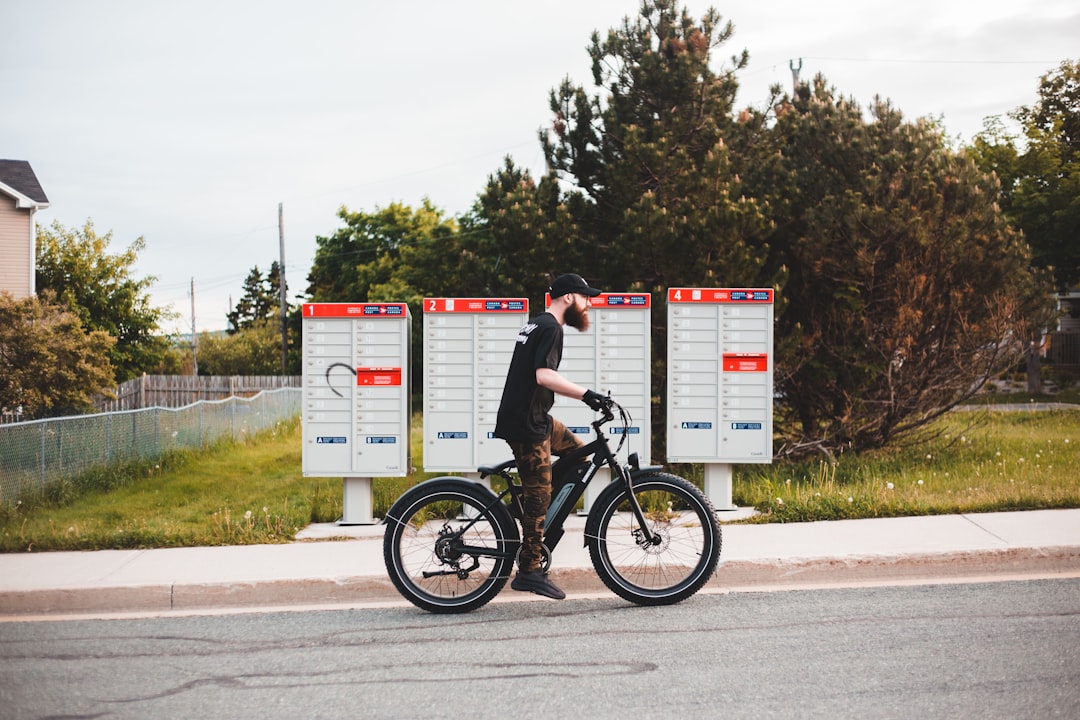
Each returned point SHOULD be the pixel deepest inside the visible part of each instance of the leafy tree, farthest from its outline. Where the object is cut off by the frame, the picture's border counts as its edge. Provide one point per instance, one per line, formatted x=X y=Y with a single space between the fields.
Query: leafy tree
x=294 y=329
x=906 y=284
x=254 y=304
x=395 y=254
x=100 y=289
x=902 y=287
x=521 y=234
x=996 y=153
x=1041 y=178
x=261 y=299
x=176 y=361
x=49 y=363
x=375 y=250
x=650 y=157
x=641 y=194
x=255 y=350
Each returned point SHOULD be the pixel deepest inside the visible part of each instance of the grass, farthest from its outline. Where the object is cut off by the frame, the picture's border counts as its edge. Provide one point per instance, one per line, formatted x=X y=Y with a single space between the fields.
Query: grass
x=234 y=492
x=983 y=461
x=254 y=492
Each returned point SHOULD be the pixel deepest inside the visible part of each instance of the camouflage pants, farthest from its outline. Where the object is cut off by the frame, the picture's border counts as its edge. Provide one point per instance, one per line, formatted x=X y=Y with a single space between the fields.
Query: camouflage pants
x=534 y=469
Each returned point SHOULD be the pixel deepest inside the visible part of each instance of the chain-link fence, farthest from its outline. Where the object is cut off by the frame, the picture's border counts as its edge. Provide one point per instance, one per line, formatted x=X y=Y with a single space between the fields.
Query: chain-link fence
x=33 y=454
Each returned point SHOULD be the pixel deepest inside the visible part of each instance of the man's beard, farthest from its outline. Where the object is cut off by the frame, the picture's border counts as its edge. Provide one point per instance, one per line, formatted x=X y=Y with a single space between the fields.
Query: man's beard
x=577 y=318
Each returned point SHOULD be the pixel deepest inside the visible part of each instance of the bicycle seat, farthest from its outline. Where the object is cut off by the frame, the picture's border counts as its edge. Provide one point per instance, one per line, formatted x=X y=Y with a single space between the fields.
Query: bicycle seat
x=486 y=470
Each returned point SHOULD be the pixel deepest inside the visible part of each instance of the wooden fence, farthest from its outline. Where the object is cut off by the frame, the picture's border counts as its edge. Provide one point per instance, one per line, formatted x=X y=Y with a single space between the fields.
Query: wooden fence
x=173 y=391
x=1063 y=348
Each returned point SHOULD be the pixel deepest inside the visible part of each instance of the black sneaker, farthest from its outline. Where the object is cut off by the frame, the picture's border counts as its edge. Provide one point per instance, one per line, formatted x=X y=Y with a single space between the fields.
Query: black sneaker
x=537 y=582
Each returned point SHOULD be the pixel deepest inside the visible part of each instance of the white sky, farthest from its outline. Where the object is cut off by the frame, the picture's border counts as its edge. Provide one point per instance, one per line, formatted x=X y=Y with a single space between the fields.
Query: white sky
x=187 y=123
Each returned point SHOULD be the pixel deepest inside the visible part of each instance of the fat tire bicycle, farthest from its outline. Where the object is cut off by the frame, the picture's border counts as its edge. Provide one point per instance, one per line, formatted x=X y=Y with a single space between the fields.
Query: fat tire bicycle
x=653 y=537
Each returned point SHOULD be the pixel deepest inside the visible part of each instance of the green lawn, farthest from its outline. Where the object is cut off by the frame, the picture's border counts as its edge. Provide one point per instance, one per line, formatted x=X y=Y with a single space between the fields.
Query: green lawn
x=253 y=492
x=232 y=493
x=983 y=461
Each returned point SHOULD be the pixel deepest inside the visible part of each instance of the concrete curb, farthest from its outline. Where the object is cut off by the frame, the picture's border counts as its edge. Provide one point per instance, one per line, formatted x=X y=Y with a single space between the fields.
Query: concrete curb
x=756 y=557
x=732 y=576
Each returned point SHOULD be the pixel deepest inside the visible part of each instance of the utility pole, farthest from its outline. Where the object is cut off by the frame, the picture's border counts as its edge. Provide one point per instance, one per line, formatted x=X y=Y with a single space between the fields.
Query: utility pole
x=281 y=288
x=194 y=337
x=795 y=75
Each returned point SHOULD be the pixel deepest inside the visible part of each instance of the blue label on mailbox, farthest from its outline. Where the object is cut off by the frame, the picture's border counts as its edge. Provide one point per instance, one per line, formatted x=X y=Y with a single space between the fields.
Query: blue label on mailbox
x=335 y=440
x=453 y=435
x=697 y=426
x=627 y=431
x=745 y=426
x=579 y=430
x=510 y=305
x=383 y=440
x=755 y=295
x=633 y=300
x=383 y=310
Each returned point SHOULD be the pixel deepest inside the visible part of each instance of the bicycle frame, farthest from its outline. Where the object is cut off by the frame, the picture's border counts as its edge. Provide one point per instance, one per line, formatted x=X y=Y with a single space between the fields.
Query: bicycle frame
x=569 y=488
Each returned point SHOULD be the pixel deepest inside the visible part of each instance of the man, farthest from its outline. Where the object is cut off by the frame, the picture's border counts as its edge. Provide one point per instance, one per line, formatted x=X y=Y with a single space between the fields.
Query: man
x=523 y=419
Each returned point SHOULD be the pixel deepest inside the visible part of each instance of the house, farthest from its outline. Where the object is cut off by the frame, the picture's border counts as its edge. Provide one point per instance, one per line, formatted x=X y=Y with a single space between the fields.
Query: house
x=1063 y=346
x=1068 y=303
x=21 y=197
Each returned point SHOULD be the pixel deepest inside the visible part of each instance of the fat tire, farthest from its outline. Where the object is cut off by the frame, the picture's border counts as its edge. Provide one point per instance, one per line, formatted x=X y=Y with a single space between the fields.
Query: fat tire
x=409 y=545
x=661 y=574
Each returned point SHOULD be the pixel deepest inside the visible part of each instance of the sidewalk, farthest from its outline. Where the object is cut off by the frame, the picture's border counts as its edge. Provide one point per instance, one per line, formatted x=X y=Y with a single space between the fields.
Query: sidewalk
x=350 y=571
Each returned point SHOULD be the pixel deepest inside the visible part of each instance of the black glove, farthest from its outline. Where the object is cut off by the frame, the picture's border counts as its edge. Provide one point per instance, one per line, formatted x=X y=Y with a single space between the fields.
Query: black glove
x=594 y=400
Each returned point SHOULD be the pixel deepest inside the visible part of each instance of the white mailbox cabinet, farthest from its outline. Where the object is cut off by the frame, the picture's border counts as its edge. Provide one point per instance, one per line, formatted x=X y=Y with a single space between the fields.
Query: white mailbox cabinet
x=720 y=379
x=614 y=356
x=356 y=414
x=468 y=344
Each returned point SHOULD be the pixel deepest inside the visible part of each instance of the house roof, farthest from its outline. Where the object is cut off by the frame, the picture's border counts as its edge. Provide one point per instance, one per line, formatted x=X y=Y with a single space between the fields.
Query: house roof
x=17 y=175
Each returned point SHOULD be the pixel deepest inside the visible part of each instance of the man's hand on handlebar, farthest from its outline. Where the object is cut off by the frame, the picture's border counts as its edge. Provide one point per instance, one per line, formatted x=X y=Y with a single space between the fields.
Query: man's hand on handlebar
x=596 y=401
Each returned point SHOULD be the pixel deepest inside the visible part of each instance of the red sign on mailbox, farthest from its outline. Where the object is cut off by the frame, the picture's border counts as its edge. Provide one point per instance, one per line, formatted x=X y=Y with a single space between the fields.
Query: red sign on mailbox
x=355 y=310
x=476 y=305
x=746 y=362
x=378 y=376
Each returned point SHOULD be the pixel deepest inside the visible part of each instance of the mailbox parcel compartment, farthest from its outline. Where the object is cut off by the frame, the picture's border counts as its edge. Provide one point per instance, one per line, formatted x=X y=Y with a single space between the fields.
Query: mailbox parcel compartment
x=613 y=356
x=468 y=343
x=720 y=375
x=356 y=413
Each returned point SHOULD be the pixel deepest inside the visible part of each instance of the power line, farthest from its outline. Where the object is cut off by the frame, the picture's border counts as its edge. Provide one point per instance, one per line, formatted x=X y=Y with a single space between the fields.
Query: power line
x=934 y=61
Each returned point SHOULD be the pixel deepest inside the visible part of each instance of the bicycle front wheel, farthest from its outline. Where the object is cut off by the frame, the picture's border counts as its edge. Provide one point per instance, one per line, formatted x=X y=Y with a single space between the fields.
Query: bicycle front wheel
x=665 y=562
x=449 y=546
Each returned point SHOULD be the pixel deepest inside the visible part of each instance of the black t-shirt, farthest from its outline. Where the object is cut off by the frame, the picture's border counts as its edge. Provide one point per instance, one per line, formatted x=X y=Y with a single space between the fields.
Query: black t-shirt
x=523 y=412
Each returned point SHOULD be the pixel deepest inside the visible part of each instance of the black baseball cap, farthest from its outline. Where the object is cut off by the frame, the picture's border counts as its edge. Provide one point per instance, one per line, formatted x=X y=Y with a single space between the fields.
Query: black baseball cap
x=571 y=283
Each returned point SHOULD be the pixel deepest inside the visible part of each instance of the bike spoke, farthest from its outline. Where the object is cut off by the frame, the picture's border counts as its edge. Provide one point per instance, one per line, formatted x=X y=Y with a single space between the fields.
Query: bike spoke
x=446 y=553
x=668 y=559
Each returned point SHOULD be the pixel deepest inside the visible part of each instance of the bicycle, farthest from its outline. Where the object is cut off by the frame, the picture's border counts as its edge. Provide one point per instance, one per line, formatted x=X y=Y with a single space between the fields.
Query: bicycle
x=653 y=537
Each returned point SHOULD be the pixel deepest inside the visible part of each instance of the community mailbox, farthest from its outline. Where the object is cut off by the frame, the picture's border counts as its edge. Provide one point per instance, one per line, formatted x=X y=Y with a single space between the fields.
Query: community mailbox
x=468 y=344
x=720 y=386
x=614 y=356
x=356 y=397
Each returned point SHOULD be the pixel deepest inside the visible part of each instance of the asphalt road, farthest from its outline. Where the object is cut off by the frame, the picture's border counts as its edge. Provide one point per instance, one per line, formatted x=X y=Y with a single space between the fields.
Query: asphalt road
x=990 y=650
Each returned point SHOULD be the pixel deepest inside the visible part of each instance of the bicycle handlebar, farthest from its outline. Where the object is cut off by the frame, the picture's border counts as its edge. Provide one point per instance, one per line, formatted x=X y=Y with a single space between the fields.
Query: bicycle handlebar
x=608 y=415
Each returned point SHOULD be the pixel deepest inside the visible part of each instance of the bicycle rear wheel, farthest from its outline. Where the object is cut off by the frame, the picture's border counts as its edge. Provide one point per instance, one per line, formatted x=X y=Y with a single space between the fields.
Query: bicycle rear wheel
x=443 y=551
x=669 y=560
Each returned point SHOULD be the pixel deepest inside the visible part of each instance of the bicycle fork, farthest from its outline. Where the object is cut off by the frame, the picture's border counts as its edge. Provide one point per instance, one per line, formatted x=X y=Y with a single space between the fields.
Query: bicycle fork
x=573 y=489
x=642 y=536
